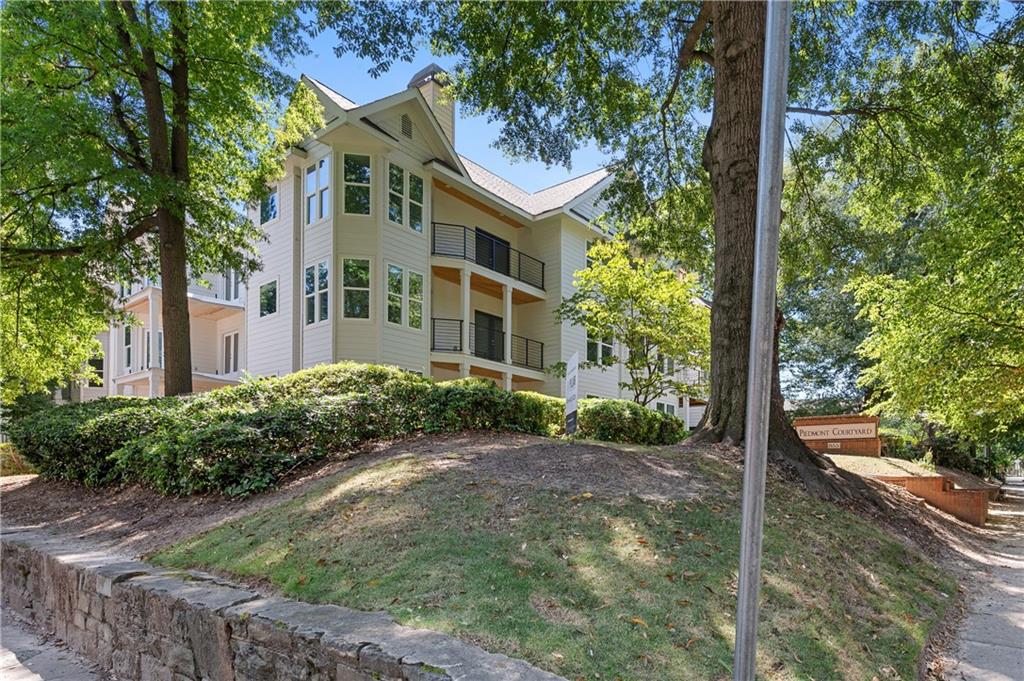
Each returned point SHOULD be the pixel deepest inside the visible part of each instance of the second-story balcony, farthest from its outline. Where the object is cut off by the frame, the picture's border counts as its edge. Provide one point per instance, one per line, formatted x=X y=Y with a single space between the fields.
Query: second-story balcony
x=459 y=241
x=486 y=343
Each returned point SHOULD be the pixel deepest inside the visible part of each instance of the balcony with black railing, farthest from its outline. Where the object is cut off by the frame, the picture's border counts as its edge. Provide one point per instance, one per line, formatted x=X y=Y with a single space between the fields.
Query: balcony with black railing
x=459 y=241
x=486 y=343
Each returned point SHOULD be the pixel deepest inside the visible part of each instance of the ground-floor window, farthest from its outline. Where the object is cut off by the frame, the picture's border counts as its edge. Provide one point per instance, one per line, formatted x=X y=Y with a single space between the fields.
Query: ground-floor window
x=231 y=352
x=666 y=408
x=355 y=283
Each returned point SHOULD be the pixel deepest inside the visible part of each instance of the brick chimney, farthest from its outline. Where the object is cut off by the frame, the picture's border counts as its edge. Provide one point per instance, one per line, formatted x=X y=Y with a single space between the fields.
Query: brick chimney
x=432 y=83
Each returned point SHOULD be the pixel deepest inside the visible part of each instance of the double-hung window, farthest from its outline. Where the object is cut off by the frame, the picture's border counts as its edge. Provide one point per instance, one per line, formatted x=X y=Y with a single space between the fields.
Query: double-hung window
x=355 y=283
x=232 y=284
x=96 y=380
x=318 y=190
x=317 y=299
x=268 y=207
x=665 y=408
x=599 y=349
x=405 y=297
x=356 y=184
x=405 y=198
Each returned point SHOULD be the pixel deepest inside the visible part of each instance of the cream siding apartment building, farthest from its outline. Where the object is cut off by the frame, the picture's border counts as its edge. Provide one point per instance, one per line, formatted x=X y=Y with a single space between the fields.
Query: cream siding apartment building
x=385 y=245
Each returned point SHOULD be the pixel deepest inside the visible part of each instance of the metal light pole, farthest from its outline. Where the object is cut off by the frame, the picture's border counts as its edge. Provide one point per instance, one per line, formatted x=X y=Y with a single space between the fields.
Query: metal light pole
x=762 y=333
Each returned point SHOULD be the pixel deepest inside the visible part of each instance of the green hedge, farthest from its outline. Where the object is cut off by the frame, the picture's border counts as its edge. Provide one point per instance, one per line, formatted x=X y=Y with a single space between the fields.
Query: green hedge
x=242 y=439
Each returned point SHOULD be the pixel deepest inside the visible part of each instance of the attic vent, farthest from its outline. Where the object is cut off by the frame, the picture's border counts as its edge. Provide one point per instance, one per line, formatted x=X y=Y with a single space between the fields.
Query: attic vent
x=407 y=126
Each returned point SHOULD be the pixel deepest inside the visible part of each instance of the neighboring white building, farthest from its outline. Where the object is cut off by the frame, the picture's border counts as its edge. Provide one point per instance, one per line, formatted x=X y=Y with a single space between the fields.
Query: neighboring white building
x=387 y=246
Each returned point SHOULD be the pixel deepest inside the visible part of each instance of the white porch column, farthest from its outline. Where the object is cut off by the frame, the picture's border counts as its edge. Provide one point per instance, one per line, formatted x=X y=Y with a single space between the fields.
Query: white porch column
x=150 y=350
x=506 y=299
x=464 y=278
x=508 y=381
x=464 y=369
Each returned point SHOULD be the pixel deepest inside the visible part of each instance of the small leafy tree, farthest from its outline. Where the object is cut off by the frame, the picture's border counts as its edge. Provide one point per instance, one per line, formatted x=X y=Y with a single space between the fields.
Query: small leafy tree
x=650 y=311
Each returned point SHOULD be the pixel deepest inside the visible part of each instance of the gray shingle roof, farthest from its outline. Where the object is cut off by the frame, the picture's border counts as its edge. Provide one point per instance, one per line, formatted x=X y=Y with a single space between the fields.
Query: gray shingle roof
x=539 y=202
x=341 y=100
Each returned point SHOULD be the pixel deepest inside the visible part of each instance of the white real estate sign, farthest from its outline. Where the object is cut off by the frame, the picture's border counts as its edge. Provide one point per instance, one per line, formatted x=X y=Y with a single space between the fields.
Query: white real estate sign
x=571 y=371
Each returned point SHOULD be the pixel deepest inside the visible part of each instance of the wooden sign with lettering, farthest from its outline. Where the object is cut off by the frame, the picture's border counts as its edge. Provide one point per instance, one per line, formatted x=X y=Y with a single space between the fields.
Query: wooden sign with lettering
x=847 y=434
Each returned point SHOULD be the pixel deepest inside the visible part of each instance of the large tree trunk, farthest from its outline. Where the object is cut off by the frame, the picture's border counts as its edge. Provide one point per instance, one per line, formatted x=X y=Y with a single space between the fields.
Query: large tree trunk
x=730 y=157
x=174 y=296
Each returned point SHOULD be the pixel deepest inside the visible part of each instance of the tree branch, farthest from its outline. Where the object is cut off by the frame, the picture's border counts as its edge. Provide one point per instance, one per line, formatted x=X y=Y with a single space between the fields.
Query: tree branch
x=144 y=226
x=686 y=51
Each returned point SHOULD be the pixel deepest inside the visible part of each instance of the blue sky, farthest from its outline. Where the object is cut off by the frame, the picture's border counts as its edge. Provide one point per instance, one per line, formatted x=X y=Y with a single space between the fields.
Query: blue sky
x=474 y=135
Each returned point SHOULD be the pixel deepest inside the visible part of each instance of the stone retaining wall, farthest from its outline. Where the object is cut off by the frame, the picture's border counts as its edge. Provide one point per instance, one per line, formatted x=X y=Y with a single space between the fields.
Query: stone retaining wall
x=142 y=622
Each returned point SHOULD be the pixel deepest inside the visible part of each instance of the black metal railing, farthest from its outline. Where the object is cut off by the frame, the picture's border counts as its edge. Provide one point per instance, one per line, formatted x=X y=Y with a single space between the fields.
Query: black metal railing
x=446 y=335
x=486 y=343
x=527 y=352
x=459 y=241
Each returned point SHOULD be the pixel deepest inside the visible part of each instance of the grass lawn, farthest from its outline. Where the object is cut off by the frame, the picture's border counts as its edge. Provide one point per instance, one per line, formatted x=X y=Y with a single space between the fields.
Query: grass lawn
x=588 y=586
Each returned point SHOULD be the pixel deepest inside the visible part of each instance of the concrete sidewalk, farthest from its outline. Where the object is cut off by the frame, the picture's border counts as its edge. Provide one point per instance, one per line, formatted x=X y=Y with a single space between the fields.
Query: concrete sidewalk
x=26 y=656
x=990 y=644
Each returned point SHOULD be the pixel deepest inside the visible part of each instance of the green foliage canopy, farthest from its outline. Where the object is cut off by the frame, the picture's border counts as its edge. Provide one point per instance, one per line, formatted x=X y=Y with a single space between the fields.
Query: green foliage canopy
x=650 y=311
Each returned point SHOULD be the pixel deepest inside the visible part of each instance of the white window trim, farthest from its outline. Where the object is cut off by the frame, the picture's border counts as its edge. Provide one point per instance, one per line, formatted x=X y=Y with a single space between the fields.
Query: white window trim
x=600 y=345
x=369 y=319
x=318 y=192
x=126 y=348
x=345 y=183
x=406 y=199
x=274 y=189
x=316 y=292
x=277 y=298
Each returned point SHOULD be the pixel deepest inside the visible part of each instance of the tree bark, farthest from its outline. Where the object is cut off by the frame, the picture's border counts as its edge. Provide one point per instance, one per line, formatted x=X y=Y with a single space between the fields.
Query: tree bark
x=730 y=156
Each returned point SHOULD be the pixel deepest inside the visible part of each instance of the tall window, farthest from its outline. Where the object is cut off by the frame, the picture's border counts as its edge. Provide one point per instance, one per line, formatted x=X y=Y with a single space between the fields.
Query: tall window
x=231 y=352
x=149 y=348
x=268 y=207
x=395 y=290
x=415 y=300
x=160 y=348
x=232 y=284
x=355 y=282
x=599 y=349
x=268 y=298
x=318 y=190
x=316 y=284
x=356 y=184
x=405 y=197
x=128 y=347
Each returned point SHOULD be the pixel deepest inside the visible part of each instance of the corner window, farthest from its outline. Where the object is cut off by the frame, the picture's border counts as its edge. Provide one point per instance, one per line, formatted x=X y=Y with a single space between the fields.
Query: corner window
x=317 y=300
x=268 y=207
x=268 y=298
x=355 y=282
x=318 y=190
x=405 y=198
x=356 y=184
x=599 y=350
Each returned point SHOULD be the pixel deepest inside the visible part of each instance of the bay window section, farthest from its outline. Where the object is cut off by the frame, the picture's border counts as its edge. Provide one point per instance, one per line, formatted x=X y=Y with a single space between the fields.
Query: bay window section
x=415 y=300
x=405 y=198
x=356 y=184
x=396 y=193
x=355 y=283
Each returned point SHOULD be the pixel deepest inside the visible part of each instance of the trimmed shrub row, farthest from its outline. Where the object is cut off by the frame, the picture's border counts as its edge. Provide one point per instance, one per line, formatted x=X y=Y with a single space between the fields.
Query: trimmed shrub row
x=242 y=439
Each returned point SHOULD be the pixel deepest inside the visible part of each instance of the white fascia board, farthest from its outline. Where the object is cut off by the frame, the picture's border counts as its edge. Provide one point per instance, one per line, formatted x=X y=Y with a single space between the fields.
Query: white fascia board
x=469 y=184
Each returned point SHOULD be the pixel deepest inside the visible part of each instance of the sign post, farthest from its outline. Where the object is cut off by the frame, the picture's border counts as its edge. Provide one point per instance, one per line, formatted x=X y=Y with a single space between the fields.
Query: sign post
x=762 y=333
x=571 y=372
